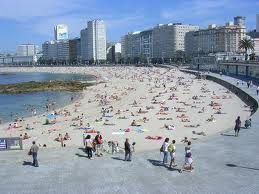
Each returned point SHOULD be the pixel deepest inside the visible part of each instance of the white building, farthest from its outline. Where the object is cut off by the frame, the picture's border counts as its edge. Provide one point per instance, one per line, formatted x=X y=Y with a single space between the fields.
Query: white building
x=159 y=42
x=256 y=46
x=215 y=39
x=56 y=50
x=96 y=40
x=257 y=22
x=170 y=38
x=9 y=60
x=27 y=50
x=61 y=32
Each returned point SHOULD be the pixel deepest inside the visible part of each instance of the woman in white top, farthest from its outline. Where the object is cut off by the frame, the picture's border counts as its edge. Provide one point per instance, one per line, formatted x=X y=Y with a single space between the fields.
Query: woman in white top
x=89 y=146
x=165 y=150
x=188 y=157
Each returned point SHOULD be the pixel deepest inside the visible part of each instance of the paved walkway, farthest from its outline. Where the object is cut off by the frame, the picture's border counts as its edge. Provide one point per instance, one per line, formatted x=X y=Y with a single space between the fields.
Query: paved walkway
x=223 y=164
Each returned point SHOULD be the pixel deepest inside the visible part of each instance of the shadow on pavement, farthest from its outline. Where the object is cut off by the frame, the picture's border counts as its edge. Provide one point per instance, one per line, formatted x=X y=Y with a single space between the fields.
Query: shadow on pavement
x=233 y=165
x=160 y=163
x=117 y=158
x=25 y=163
x=81 y=156
x=229 y=135
x=156 y=162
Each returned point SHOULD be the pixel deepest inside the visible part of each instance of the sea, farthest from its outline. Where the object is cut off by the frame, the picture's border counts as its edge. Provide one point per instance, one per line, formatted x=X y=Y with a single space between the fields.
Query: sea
x=21 y=105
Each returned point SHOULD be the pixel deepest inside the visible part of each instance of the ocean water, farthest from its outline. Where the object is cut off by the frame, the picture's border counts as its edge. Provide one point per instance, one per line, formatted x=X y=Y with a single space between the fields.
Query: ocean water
x=21 y=105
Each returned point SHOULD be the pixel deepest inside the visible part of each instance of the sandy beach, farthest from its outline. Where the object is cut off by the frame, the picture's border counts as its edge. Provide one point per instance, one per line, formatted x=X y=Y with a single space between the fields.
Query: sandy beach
x=163 y=103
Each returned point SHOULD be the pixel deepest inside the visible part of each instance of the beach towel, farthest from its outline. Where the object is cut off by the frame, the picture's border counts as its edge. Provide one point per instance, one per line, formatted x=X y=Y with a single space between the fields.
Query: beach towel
x=118 y=133
x=153 y=137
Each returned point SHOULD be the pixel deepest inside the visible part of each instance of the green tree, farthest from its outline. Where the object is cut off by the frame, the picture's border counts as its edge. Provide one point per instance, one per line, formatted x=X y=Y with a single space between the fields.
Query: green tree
x=246 y=44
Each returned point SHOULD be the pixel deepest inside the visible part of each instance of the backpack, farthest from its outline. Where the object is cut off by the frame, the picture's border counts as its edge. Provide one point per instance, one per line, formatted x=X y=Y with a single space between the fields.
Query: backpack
x=171 y=148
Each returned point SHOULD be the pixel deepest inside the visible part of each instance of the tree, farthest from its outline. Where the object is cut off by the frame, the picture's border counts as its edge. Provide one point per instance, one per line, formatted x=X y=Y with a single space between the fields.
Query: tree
x=246 y=44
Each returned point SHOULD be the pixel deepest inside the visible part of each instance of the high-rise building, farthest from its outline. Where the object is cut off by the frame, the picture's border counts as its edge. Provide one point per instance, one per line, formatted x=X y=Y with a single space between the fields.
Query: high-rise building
x=257 y=22
x=159 y=42
x=96 y=40
x=215 y=39
x=240 y=21
x=61 y=32
x=169 y=38
x=114 y=52
x=27 y=50
x=74 y=49
x=130 y=45
x=84 y=44
x=56 y=50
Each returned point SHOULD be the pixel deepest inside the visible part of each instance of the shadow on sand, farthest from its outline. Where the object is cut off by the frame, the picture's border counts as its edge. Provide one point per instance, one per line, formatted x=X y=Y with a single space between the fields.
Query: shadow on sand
x=236 y=166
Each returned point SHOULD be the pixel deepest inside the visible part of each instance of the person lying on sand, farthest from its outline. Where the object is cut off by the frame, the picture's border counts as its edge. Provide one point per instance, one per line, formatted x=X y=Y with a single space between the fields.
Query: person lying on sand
x=142 y=111
x=28 y=127
x=26 y=136
x=67 y=137
x=123 y=117
x=211 y=119
x=182 y=116
x=169 y=127
x=59 y=138
x=194 y=126
x=198 y=133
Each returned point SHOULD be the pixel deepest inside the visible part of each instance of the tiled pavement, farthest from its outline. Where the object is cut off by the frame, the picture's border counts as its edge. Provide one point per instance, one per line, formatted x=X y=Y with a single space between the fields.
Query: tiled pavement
x=223 y=164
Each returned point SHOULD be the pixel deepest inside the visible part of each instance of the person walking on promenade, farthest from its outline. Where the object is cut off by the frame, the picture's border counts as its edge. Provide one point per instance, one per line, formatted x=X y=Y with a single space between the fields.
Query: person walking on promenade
x=89 y=147
x=127 y=148
x=34 y=152
x=99 y=142
x=188 y=158
x=248 y=84
x=257 y=90
x=165 y=150
x=237 y=126
x=171 y=150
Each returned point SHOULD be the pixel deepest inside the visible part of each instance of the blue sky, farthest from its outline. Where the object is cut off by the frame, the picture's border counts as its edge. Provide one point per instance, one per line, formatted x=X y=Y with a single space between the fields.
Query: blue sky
x=32 y=21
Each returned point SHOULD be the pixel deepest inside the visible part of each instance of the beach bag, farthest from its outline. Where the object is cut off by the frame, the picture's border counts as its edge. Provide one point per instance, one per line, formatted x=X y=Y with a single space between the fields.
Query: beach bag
x=171 y=148
x=30 y=152
x=188 y=154
x=162 y=148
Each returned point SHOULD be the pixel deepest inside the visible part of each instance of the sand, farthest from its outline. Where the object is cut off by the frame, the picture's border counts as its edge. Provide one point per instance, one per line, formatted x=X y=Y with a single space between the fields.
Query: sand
x=150 y=88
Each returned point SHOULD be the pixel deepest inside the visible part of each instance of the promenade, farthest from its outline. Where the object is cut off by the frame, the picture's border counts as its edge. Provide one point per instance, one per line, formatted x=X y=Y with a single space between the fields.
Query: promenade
x=223 y=164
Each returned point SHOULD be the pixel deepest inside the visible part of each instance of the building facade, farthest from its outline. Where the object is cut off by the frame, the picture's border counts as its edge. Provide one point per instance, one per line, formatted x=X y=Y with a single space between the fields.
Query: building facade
x=240 y=21
x=96 y=40
x=56 y=50
x=215 y=39
x=130 y=46
x=23 y=60
x=160 y=42
x=61 y=32
x=84 y=44
x=27 y=49
x=74 y=49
